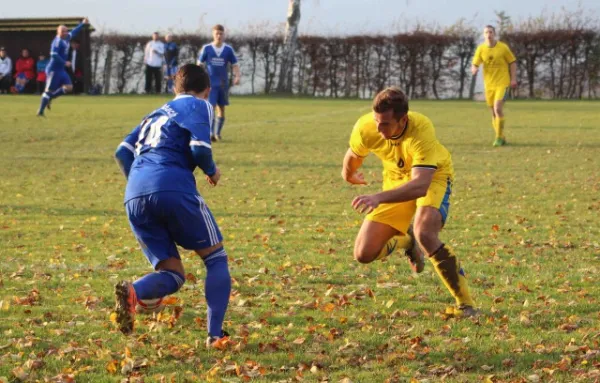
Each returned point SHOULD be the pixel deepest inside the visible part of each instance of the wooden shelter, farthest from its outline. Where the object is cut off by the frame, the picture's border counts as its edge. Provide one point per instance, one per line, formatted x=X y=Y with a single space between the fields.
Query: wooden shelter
x=36 y=34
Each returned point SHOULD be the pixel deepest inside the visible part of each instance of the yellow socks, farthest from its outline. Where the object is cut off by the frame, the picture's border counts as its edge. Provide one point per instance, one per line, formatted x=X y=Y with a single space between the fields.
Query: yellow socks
x=495 y=125
x=500 y=127
x=448 y=268
x=397 y=242
x=404 y=242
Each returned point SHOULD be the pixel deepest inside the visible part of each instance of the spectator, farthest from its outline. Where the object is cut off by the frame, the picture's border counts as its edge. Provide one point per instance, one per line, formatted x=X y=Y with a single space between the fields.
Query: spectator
x=171 y=58
x=24 y=71
x=154 y=58
x=5 y=71
x=41 y=72
x=75 y=71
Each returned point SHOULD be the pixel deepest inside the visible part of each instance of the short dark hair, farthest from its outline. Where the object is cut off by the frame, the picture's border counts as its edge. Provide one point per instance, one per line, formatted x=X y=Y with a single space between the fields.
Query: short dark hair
x=491 y=27
x=392 y=98
x=191 y=77
x=219 y=27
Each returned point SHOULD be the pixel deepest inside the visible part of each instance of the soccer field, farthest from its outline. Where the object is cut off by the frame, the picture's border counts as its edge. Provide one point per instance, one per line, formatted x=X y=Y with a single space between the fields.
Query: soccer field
x=524 y=220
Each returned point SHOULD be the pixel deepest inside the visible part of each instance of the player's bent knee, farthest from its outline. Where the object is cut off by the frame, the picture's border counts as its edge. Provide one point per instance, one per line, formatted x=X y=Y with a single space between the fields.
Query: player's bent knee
x=364 y=255
x=203 y=253
x=498 y=110
x=171 y=264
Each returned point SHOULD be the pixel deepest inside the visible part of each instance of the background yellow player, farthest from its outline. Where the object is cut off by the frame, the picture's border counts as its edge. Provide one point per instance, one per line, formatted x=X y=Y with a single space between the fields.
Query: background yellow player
x=417 y=182
x=499 y=72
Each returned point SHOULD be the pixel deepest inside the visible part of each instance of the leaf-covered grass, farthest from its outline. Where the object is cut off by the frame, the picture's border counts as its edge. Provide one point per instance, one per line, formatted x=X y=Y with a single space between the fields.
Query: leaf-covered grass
x=524 y=222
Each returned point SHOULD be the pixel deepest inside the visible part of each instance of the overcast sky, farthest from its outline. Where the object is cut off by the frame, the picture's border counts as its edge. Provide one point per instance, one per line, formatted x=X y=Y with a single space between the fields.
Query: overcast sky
x=318 y=16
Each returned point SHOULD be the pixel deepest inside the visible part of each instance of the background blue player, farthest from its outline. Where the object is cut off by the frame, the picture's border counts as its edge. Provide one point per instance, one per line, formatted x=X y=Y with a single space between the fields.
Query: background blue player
x=58 y=81
x=163 y=206
x=216 y=56
x=171 y=60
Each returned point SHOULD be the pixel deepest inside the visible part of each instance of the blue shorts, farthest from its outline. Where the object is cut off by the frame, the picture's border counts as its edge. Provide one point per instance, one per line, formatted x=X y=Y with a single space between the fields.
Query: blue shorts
x=57 y=79
x=171 y=70
x=219 y=95
x=160 y=221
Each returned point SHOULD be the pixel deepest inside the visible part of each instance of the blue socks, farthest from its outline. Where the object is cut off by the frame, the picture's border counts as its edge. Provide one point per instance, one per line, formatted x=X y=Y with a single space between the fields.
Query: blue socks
x=217 y=289
x=158 y=284
x=220 y=121
x=47 y=96
x=45 y=100
x=57 y=93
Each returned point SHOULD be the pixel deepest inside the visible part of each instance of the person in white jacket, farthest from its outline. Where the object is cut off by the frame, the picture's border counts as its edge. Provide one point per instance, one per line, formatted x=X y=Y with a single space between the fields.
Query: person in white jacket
x=5 y=71
x=154 y=59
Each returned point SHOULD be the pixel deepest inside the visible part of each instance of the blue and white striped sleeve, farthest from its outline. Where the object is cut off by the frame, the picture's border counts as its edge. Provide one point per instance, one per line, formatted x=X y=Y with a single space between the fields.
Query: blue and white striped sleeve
x=202 y=55
x=125 y=153
x=232 y=57
x=75 y=31
x=199 y=129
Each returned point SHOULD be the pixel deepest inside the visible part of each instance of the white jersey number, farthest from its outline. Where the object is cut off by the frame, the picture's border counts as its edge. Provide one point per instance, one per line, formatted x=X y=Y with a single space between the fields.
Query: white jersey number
x=150 y=133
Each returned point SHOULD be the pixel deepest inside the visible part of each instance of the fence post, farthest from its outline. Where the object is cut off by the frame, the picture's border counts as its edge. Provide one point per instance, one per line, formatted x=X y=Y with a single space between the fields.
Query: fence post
x=107 y=70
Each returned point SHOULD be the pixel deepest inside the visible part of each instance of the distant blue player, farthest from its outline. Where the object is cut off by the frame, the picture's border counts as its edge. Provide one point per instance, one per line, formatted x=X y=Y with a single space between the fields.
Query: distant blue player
x=216 y=56
x=58 y=81
x=163 y=206
x=171 y=60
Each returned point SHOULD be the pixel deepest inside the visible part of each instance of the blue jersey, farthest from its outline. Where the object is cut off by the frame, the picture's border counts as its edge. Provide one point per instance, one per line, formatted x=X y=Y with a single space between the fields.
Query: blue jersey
x=171 y=54
x=163 y=140
x=216 y=60
x=59 y=51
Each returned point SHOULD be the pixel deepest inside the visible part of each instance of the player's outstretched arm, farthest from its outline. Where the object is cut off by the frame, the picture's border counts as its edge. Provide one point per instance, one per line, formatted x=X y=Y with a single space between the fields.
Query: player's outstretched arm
x=75 y=31
x=350 y=173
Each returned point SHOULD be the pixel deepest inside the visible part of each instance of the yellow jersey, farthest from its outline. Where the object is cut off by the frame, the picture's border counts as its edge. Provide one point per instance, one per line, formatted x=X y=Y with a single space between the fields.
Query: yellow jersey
x=496 y=61
x=416 y=147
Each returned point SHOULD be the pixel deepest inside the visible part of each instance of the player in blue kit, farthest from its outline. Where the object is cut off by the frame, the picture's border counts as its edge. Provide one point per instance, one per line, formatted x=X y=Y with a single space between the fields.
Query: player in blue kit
x=171 y=59
x=58 y=81
x=163 y=206
x=216 y=56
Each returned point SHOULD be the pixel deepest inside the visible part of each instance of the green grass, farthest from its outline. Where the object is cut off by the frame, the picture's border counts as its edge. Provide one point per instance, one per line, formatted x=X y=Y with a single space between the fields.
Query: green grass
x=524 y=221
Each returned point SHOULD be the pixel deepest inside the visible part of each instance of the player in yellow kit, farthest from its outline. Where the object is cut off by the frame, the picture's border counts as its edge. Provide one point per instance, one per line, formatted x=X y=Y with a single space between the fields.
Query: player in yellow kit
x=417 y=182
x=499 y=73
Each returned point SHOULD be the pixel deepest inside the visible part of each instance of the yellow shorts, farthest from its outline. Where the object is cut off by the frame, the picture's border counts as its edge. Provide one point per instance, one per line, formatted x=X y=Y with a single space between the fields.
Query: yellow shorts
x=400 y=215
x=497 y=93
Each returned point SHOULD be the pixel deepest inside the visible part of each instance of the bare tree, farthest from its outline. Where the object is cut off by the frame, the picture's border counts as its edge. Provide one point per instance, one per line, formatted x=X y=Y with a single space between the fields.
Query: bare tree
x=290 y=42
